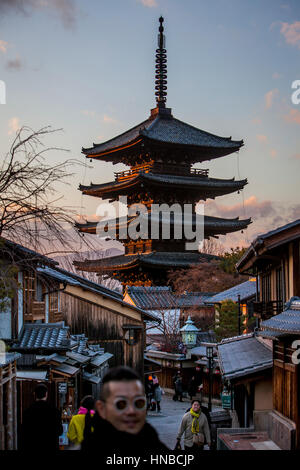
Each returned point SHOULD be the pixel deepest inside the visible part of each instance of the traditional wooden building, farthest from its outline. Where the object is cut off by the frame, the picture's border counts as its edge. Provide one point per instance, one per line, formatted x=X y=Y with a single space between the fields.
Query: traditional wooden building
x=284 y=330
x=8 y=401
x=47 y=294
x=160 y=152
x=274 y=259
x=246 y=367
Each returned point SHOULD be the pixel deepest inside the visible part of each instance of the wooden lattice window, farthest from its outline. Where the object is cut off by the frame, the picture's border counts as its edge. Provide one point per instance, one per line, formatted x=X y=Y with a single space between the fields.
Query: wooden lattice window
x=53 y=302
x=279 y=289
x=266 y=287
x=29 y=292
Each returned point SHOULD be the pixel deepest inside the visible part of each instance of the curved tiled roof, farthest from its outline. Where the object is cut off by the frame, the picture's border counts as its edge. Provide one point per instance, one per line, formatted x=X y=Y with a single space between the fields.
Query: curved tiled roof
x=155 y=259
x=168 y=130
x=288 y=321
x=210 y=223
x=199 y=183
x=43 y=336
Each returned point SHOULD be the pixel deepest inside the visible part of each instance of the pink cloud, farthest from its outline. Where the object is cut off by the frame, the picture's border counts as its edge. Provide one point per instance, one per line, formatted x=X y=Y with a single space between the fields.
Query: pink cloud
x=273 y=153
x=13 y=125
x=269 y=97
x=108 y=119
x=148 y=3
x=262 y=138
x=296 y=156
x=293 y=116
x=291 y=33
x=254 y=208
x=3 y=46
x=256 y=121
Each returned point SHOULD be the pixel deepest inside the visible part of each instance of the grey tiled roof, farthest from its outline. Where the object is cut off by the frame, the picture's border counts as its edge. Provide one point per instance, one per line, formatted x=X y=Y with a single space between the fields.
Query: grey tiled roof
x=51 y=336
x=100 y=359
x=194 y=299
x=242 y=356
x=288 y=321
x=66 y=369
x=184 y=260
x=270 y=334
x=171 y=131
x=199 y=183
x=155 y=297
x=152 y=297
x=80 y=358
x=77 y=280
x=245 y=290
x=215 y=224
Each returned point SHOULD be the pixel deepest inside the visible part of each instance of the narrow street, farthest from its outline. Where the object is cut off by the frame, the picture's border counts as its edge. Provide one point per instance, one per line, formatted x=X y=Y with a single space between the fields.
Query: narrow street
x=167 y=422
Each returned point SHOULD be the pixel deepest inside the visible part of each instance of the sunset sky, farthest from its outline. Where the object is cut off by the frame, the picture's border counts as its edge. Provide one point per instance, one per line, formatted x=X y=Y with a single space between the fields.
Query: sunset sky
x=88 y=67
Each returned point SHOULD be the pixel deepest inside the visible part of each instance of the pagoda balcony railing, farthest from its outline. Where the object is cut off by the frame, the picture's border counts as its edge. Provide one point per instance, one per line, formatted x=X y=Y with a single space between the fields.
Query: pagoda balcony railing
x=162 y=169
x=127 y=174
x=268 y=309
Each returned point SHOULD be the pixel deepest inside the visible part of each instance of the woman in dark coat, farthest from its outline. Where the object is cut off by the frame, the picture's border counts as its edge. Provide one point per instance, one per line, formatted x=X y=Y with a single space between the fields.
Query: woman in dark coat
x=192 y=387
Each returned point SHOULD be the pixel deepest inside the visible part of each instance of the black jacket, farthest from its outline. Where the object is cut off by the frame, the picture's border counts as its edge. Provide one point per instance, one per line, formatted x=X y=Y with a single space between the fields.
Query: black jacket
x=106 y=440
x=41 y=427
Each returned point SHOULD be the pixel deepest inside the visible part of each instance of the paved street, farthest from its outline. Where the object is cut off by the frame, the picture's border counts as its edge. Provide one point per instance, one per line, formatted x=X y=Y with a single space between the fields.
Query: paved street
x=168 y=421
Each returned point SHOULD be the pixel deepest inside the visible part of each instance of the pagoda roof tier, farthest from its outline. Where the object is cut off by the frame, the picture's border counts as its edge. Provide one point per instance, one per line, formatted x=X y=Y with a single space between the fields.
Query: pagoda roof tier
x=204 y=186
x=162 y=131
x=212 y=225
x=155 y=260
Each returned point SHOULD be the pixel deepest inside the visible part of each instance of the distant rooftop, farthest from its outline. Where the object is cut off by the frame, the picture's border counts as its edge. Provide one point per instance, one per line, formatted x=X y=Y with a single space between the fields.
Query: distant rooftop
x=246 y=290
x=164 y=298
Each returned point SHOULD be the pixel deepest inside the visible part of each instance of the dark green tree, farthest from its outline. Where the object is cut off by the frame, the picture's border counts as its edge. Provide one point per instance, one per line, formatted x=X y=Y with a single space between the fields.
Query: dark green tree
x=227 y=324
x=230 y=259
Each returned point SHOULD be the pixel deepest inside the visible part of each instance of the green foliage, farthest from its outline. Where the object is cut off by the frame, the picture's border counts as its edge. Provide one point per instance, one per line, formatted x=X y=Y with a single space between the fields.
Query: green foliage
x=229 y=259
x=228 y=320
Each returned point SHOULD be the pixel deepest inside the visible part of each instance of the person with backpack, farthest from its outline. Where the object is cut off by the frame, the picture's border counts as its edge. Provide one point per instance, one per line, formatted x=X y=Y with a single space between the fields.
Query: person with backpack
x=81 y=423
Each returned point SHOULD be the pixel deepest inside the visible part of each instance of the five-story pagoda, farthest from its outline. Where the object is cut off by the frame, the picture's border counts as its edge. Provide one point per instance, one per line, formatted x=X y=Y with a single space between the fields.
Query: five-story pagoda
x=160 y=152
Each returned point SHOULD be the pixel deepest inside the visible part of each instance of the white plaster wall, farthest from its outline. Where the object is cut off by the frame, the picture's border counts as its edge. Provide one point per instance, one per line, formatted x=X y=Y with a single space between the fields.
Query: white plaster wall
x=5 y=322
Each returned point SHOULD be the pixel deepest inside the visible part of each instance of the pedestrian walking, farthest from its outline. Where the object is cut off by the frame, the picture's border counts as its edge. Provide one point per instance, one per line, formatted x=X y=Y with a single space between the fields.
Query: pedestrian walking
x=81 y=423
x=149 y=390
x=119 y=423
x=178 y=388
x=41 y=424
x=158 y=395
x=192 y=387
x=175 y=385
x=194 y=426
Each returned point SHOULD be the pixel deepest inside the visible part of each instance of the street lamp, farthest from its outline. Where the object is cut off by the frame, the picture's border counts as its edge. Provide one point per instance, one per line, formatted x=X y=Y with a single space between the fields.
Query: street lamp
x=209 y=355
x=189 y=333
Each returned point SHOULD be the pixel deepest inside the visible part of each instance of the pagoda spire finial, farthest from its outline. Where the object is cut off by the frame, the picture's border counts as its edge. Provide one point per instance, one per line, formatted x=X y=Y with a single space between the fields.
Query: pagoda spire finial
x=161 y=68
